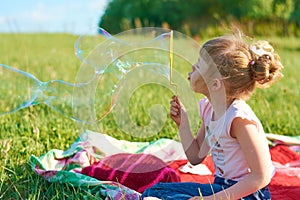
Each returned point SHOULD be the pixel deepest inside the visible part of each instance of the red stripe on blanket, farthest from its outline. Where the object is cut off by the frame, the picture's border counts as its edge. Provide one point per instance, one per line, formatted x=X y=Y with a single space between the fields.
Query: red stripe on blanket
x=283 y=154
x=136 y=171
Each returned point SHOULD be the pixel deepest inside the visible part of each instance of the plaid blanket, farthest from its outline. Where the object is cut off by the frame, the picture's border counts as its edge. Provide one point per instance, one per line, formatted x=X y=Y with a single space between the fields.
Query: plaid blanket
x=90 y=147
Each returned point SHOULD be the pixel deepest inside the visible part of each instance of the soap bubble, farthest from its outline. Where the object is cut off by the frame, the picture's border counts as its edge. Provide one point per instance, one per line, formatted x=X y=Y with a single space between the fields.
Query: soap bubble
x=129 y=75
x=130 y=71
x=20 y=89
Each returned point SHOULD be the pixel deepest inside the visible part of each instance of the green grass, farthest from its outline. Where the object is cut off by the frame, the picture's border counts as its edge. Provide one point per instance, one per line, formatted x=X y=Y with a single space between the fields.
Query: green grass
x=37 y=129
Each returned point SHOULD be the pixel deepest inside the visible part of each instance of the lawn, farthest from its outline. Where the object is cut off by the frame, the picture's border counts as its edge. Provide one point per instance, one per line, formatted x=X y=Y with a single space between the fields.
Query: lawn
x=37 y=129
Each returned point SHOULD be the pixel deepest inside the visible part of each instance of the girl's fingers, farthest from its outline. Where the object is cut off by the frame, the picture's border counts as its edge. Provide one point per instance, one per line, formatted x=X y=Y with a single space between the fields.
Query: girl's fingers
x=194 y=198
x=174 y=111
x=176 y=99
x=174 y=107
x=175 y=104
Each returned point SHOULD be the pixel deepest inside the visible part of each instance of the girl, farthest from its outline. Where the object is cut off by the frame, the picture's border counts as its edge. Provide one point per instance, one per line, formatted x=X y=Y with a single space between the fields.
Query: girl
x=227 y=72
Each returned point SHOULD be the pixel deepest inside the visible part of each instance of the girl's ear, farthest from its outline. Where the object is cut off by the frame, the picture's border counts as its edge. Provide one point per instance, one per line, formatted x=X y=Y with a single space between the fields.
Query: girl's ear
x=216 y=84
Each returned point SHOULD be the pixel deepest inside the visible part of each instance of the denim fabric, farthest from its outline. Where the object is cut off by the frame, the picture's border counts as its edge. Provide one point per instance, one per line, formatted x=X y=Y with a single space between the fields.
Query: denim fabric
x=263 y=193
x=186 y=190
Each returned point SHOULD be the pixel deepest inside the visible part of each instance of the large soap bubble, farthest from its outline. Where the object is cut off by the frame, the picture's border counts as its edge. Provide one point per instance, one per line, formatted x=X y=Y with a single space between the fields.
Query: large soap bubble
x=131 y=75
x=130 y=71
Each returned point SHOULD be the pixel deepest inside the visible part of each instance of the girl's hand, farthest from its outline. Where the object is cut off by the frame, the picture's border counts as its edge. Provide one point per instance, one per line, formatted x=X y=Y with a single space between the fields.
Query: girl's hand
x=195 y=198
x=177 y=110
x=201 y=198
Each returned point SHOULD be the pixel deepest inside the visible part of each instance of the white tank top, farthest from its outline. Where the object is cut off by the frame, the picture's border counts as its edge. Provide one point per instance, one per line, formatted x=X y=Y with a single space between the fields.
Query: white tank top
x=226 y=152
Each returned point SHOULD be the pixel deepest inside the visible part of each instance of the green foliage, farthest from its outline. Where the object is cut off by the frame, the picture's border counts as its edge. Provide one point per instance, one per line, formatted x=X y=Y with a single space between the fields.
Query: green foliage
x=295 y=16
x=38 y=129
x=283 y=9
x=194 y=17
x=256 y=9
x=121 y=14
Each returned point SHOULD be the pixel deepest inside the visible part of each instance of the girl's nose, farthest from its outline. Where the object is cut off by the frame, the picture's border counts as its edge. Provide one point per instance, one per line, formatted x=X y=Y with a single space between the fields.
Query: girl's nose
x=190 y=73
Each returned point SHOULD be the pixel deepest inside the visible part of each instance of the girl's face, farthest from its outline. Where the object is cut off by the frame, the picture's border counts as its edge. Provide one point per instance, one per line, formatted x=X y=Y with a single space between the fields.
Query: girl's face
x=196 y=77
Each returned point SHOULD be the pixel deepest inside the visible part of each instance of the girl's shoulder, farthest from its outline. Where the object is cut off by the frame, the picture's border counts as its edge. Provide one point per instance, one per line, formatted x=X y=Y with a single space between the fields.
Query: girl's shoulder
x=242 y=110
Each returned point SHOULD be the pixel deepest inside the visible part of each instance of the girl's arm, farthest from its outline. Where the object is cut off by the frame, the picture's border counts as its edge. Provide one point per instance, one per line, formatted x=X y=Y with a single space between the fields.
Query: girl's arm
x=257 y=156
x=195 y=149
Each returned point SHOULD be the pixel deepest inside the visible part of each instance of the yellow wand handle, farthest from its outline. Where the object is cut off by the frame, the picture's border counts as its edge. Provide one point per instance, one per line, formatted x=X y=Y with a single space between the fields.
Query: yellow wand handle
x=171 y=62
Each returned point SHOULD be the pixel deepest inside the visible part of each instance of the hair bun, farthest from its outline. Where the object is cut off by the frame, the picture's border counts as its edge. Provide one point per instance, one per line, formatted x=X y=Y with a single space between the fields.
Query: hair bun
x=265 y=65
x=260 y=69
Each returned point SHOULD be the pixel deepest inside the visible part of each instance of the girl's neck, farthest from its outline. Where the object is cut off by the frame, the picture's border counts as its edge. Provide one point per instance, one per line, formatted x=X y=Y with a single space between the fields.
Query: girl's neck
x=219 y=99
x=220 y=107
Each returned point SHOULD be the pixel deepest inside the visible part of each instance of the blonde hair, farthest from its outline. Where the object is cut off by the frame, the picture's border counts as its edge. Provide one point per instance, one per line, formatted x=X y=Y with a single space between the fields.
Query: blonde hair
x=242 y=66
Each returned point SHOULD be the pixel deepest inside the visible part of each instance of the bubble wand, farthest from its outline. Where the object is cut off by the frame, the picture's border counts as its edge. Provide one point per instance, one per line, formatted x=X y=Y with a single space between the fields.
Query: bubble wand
x=171 y=62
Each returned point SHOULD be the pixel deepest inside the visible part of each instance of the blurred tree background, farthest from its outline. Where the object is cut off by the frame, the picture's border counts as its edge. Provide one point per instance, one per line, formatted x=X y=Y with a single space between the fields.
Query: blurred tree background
x=197 y=17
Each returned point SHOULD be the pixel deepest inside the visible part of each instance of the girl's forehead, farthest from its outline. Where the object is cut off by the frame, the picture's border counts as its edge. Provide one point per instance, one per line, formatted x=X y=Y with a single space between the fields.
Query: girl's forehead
x=206 y=66
x=202 y=62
